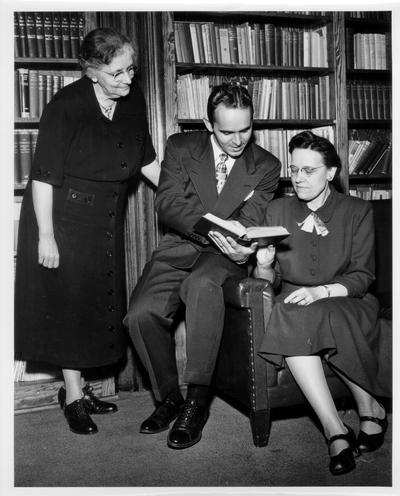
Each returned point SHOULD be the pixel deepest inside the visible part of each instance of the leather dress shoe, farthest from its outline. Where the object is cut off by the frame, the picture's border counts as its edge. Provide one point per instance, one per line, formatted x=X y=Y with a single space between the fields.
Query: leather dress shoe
x=92 y=403
x=78 y=418
x=163 y=415
x=344 y=461
x=188 y=427
x=371 y=442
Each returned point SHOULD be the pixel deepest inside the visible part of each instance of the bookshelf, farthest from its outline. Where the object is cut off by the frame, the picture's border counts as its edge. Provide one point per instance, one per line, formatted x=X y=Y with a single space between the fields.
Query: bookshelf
x=369 y=96
x=191 y=35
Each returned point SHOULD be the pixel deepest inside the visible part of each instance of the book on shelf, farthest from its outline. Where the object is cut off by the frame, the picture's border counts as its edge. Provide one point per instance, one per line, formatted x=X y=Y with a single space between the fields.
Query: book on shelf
x=39 y=33
x=24 y=148
x=263 y=235
x=48 y=34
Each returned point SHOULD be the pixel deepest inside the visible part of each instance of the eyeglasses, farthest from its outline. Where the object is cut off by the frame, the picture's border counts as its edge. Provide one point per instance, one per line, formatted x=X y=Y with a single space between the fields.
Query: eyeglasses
x=119 y=75
x=308 y=171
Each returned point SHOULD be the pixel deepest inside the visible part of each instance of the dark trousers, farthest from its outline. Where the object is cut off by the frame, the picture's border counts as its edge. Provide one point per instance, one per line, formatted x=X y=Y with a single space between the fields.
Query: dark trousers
x=155 y=301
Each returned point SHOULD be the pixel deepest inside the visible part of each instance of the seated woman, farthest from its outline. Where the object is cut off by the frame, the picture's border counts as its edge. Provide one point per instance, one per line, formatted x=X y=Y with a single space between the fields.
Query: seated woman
x=321 y=274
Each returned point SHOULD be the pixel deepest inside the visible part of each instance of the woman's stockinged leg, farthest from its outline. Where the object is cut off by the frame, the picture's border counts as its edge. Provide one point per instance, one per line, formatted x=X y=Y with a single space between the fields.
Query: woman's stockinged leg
x=367 y=405
x=310 y=377
x=73 y=385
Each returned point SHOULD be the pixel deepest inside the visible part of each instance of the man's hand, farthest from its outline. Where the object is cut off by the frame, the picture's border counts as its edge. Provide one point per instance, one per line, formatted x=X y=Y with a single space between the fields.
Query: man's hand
x=229 y=247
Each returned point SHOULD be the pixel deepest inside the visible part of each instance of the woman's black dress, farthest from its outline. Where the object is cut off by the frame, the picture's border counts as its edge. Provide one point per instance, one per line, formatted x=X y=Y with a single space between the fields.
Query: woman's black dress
x=72 y=316
x=345 y=329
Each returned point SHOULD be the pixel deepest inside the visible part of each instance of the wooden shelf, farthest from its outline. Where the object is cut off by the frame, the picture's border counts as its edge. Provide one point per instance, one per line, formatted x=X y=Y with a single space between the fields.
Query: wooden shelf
x=370 y=178
x=370 y=123
x=254 y=16
x=184 y=67
x=369 y=74
x=263 y=123
x=378 y=25
x=47 y=62
x=26 y=121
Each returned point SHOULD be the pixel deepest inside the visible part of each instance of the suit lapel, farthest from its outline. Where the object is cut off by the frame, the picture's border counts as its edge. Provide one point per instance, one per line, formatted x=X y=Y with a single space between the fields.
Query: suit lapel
x=201 y=170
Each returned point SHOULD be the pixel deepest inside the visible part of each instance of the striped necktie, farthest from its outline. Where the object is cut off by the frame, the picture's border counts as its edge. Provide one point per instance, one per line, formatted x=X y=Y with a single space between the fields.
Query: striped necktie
x=221 y=172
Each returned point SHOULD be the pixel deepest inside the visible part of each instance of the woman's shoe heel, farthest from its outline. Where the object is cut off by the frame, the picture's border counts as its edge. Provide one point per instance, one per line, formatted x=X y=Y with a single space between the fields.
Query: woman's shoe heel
x=344 y=462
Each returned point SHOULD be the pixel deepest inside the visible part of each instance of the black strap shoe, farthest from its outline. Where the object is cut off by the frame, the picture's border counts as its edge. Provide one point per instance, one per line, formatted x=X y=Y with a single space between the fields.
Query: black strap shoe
x=188 y=427
x=78 y=418
x=163 y=415
x=93 y=405
x=344 y=462
x=371 y=442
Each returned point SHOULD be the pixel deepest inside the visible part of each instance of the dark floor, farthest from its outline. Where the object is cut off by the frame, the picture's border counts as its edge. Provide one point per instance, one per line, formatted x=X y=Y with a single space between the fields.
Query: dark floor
x=48 y=454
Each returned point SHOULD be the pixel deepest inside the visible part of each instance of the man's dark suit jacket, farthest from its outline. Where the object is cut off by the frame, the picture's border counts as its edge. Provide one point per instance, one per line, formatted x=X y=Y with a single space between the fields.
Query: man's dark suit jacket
x=187 y=190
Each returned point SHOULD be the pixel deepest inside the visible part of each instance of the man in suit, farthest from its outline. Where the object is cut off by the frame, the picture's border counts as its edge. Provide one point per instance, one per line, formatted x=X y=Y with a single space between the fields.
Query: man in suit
x=219 y=171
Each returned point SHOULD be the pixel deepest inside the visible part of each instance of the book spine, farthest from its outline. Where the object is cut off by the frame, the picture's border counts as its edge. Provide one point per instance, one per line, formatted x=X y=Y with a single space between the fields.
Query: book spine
x=41 y=93
x=17 y=162
x=33 y=93
x=65 y=35
x=56 y=21
x=25 y=154
x=74 y=34
x=23 y=76
x=31 y=34
x=17 y=36
x=233 y=45
x=22 y=34
x=48 y=35
x=81 y=27
x=39 y=27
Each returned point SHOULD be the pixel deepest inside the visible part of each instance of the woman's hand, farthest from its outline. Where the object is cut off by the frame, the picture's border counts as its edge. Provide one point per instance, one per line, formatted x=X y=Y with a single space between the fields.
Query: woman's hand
x=266 y=256
x=48 y=251
x=305 y=296
x=229 y=247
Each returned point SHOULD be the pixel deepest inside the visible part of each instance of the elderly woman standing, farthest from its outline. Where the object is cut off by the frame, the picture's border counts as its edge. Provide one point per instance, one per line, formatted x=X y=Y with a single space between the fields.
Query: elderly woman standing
x=70 y=278
x=323 y=310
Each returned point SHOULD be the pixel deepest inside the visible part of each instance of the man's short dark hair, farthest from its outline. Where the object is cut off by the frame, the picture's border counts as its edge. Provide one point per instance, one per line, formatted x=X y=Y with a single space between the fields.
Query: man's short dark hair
x=232 y=95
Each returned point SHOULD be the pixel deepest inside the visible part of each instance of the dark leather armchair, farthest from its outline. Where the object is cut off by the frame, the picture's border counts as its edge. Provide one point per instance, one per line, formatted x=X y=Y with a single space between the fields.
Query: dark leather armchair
x=248 y=379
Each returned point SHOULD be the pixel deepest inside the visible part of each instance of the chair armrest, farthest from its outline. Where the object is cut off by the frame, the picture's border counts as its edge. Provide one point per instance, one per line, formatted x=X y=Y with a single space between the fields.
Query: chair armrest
x=245 y=293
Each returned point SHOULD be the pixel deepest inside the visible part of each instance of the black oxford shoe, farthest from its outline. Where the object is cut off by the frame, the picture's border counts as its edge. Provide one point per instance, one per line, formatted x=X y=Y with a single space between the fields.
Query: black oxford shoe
x=188 y=427
x=92 y=404
x=163 y=415
x=78 y=418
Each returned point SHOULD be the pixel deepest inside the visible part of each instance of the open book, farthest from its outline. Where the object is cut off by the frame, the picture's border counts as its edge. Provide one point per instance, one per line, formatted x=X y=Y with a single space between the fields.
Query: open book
x=264 y=235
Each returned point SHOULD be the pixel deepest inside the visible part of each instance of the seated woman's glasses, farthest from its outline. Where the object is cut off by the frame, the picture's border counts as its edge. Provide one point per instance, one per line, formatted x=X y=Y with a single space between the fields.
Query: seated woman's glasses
x=308 y=171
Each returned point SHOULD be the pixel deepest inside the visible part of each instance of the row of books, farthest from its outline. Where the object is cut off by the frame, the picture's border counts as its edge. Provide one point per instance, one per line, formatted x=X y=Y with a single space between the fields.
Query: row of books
x=277 y=98
x=370 y=151
x=369 y=100
x=35 y=88
x=277 y=141
x=24 y=148
x=48 y=34
x=368 y=50
x=250 y=44
x=375 y=15
x=371 y=192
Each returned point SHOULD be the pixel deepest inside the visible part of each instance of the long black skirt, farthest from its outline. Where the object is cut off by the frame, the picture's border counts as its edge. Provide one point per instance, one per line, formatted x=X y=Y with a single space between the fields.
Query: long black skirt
x=72 y=316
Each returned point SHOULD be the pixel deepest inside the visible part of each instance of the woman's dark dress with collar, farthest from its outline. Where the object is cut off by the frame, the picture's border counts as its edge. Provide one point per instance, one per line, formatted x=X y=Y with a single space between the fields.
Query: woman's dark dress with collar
x=344 y=328
x=72 y=316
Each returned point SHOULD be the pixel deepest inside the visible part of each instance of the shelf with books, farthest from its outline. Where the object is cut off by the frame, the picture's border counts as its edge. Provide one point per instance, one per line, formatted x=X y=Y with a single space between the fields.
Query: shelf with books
x=369 y=97
x=213 y=68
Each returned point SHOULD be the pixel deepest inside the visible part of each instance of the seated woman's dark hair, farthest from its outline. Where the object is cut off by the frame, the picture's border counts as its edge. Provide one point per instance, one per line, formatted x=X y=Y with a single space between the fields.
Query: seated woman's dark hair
x=232 y=95
x=100 y=46
x=309 y=140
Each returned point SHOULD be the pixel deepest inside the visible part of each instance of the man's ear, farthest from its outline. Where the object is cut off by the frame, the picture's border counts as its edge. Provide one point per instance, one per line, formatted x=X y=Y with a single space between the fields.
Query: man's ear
x=208 y=125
